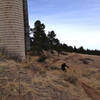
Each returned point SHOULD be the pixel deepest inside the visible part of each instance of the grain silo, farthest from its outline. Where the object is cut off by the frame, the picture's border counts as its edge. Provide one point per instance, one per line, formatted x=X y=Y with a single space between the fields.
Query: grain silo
x=13 y=27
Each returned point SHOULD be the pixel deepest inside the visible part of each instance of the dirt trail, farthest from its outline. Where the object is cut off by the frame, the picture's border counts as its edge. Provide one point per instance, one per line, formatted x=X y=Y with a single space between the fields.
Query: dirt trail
x=92 y=93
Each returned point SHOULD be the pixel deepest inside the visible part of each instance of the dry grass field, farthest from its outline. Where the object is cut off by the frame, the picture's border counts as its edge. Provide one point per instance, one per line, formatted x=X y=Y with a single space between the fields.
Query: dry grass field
x=44 y=80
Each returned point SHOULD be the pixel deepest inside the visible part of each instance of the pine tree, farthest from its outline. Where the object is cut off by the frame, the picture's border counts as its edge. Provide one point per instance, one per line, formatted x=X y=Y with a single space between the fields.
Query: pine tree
x=39 y=37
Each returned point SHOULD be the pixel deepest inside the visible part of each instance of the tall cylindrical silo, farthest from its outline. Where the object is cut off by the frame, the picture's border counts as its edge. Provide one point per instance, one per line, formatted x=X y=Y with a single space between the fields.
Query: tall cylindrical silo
x=12 y=36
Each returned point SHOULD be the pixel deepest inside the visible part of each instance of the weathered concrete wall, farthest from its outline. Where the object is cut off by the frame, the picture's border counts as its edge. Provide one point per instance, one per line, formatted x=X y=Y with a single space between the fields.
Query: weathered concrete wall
x=12 y=27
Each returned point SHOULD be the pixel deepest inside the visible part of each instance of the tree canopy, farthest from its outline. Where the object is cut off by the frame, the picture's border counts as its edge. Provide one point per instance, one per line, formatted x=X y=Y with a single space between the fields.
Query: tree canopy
x=41 y=41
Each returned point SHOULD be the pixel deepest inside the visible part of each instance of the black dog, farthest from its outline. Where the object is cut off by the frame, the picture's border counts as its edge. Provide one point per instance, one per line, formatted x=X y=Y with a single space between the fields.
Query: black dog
x=63 y=67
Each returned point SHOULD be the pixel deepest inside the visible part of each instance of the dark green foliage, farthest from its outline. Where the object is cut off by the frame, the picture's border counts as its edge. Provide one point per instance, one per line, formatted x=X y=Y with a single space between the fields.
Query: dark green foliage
x=52 y=41
x=89 y=52
x=40 y=41
x=80 y=50
x=51 y=37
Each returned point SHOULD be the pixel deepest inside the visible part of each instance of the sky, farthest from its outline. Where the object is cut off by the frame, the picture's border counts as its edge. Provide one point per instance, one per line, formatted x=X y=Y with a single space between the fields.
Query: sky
x=75 y=22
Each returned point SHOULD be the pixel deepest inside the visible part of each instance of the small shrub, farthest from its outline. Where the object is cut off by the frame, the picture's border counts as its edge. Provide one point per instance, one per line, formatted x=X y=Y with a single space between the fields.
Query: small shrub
x=42 y=58
x=84 y=61
x=71 y=79
x=89 y=59
x=52 y=52
x=34 y=53
x=52 y=68
x=64 y=53
x=33 y=68
x=42 y=73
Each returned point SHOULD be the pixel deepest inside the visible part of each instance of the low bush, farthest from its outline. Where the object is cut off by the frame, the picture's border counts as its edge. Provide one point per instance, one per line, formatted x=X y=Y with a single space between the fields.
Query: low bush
x=84 y=61
x=33 y=68
x=52 y=68
x=71 y=79
x=42 y=58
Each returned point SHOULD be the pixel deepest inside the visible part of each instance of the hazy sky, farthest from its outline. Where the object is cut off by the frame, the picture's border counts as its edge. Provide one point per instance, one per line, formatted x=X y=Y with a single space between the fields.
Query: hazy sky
x=76 y=22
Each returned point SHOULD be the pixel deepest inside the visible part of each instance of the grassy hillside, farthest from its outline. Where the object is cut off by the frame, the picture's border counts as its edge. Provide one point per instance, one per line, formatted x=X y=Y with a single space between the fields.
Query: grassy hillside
x=44 y=80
